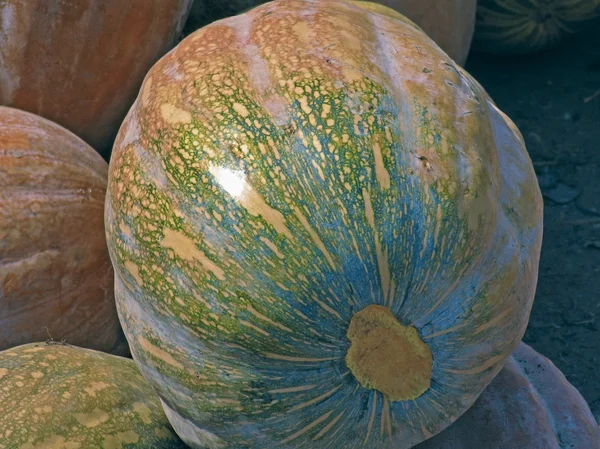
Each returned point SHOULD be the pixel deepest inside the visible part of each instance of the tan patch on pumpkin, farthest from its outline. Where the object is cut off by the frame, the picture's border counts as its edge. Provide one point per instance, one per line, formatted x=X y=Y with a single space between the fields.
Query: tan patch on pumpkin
x=314 y=236
x=185 y=248
x=158 y=353
x=44 y=409
x=380 y=171
x=125 y=229
x=174 y=115
x=303 y=31
x=118 y=440
x=52 y=442
x=143 y=411
x=241 y=109
x=272 y=246
x=93 y=419
x=134 y=271
x=387 y=356
x=250 y=199
x=95 y=387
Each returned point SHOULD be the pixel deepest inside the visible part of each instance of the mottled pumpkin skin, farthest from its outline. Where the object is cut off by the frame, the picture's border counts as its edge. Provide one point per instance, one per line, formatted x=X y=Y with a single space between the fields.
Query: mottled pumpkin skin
x=526 y=26
x=56 y=277
x=80 y=63
x=449 y=23
x=55 y=396
x=530 y=404
x=282 y=170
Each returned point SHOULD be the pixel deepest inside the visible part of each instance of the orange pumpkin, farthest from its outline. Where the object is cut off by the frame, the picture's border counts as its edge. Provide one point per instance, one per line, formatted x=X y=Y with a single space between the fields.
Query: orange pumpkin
x=80 y=63
x=55 y=273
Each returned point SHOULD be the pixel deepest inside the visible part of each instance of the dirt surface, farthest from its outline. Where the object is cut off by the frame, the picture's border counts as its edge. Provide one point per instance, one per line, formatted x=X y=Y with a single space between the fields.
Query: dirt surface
x=550 y=96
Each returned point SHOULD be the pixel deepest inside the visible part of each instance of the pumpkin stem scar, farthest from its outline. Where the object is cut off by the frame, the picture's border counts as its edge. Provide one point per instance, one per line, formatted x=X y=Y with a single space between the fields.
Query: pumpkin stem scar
x=387 y=356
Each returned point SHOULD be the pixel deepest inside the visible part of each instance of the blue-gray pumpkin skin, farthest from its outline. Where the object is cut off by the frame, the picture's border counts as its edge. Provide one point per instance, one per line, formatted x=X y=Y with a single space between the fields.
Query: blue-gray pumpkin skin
x=530 y=404
x=280 y=171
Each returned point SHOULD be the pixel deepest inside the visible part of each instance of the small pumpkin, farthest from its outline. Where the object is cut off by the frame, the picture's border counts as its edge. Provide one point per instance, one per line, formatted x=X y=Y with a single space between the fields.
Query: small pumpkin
x=526 y=26
x=56 y=278
x=530 y=404
x=64 y=397
x=80 y=63
x=321 y=223
x=450 y=23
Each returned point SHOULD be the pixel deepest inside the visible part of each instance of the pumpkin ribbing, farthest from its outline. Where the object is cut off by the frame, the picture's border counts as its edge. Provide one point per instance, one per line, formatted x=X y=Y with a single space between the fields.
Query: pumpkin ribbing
x=450 y=24
x=284 y=169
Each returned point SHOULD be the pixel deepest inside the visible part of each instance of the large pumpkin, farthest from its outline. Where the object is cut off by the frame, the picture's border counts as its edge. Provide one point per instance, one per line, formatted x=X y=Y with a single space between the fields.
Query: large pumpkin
x=80 y=63
x=56 y=278
x=529 y=405
x=525 y=26
x=319 y=223
x=449 y=23
x=63 y=397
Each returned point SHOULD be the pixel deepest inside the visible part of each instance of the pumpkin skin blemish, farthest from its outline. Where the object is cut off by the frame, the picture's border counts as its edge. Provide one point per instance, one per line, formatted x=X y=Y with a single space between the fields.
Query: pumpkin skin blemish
x=387 y=356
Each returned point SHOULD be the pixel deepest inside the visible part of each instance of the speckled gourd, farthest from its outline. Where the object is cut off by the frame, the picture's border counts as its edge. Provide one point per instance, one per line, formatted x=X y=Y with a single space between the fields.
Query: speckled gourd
x=529 y=405
x=55 y=396
x=449 y=23
x=324 y=232
x=526 y=26
x=56 y=277
x=80 y=63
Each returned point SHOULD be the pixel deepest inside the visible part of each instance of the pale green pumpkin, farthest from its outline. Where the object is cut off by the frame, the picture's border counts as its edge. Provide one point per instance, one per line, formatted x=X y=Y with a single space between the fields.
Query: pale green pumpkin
x=56 y=396
x=324 y=232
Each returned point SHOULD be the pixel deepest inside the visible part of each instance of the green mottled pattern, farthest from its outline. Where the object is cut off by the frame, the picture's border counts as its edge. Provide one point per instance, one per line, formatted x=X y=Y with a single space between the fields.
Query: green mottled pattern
x=284 y=169
x=524 y=26
x=55 y=396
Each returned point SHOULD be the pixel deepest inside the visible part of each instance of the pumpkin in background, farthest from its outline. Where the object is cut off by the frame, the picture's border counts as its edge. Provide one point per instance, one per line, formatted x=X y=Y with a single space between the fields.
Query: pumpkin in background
x=80 y=63
x=450 y=23
x=56 y=276
x=324 y=232
x=529 y=405
x=525 y=26
x=64 y=397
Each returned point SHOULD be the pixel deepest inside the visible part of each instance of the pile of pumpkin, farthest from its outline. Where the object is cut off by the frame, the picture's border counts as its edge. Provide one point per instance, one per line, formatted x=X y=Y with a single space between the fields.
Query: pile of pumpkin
x=324 y=233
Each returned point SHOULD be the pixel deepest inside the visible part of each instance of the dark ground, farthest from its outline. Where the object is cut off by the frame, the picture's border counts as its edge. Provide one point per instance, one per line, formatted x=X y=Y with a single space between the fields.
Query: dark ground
x=550 y=96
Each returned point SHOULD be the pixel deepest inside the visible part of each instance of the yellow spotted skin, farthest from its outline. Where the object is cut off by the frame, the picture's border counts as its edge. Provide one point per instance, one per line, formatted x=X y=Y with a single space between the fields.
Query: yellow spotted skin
x=282 y=170
x=55 y=396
